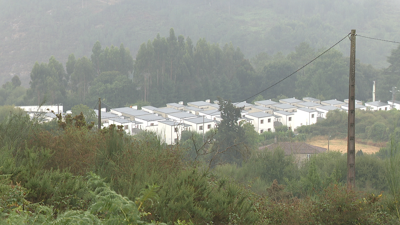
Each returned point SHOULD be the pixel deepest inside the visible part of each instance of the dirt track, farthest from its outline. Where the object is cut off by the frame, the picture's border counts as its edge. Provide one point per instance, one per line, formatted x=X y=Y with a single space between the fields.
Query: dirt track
x=341 y=145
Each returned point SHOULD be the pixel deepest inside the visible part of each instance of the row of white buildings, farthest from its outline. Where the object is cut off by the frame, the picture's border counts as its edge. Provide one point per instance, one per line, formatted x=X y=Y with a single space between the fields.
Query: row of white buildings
x=201 y=116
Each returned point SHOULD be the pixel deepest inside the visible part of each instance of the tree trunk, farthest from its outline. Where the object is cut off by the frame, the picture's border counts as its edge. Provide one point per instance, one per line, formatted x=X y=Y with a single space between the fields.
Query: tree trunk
x=171 y=70
x=38 y=97
x=144 y=89
x=84 y=88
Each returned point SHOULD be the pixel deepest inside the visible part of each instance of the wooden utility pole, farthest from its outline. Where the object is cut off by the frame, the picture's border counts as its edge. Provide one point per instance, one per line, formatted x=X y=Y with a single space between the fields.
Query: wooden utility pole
x=99 y=116
x=351 y=144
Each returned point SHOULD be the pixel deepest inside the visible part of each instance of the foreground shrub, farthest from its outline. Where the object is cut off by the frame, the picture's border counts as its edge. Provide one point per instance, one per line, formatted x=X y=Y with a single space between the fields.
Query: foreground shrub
x=61 y=189
x=107 y=207
x=334 y=205
x=202 y=199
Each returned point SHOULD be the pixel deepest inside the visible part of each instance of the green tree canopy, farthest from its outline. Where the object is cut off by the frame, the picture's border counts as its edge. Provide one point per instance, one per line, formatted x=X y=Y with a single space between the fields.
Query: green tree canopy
x=88 y=113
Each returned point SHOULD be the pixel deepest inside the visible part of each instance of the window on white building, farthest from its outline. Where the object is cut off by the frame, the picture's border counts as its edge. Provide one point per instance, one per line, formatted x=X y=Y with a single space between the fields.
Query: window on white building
x=290 y=118
x=269 y=120
x=262 y=121
x=209 y=126
x=200 y=127
x=312 y=115
x=261 y=131
x=269 y=129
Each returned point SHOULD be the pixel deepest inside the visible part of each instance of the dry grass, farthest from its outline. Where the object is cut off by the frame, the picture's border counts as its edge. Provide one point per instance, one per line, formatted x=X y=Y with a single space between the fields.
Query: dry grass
x=340 y=145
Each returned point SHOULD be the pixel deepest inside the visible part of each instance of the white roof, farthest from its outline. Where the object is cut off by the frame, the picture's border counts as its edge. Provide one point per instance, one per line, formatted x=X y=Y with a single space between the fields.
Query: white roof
x=307 y=110
x=284 y=113
x=326 y=108
x=266 y=102
x=377 y=104
x=199 y=120
x=259 y=115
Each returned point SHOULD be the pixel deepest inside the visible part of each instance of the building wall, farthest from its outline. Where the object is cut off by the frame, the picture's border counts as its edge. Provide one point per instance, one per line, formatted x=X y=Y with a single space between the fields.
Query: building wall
x=179 y=120
x=286 y=121
x=170 y=134
x=305 y=118
x=146 y=124
x=262 y=125
x=34 y=108
x=196 y=127
x=380 y=108
x=127 y=126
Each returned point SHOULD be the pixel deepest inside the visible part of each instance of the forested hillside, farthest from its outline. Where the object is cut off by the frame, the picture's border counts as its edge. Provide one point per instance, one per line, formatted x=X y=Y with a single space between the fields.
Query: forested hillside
x=35 y=30
x=176 y=68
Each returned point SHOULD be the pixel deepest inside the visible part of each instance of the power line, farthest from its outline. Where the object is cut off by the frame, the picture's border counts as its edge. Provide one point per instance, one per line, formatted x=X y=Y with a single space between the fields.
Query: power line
x=378 y=39
x=103 y=103
x=299 y=68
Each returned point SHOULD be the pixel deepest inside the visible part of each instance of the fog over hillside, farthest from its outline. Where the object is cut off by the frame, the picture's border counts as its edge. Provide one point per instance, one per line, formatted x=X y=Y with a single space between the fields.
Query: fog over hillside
x=35 y=30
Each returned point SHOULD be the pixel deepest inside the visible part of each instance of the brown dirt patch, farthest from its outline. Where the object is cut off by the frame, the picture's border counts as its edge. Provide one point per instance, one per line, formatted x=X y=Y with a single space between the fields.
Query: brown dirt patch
x=340 y=145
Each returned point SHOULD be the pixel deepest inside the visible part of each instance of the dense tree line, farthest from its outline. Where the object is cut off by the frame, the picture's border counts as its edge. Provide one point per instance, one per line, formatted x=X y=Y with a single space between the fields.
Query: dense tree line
x=174 y=68
x=105 y=74
x=33 y=31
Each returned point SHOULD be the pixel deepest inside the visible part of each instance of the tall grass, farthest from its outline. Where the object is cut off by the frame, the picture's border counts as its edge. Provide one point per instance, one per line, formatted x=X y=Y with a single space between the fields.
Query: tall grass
x=393 y=175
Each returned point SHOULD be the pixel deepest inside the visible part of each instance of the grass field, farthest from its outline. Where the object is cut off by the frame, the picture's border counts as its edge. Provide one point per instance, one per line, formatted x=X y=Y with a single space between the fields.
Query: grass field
x=341 y=145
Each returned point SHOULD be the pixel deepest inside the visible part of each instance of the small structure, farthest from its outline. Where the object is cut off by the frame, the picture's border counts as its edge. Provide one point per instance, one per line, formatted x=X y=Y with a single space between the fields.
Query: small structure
x=323 y=110
x=170 y=132
x=213 y=106
x=128 y=112
x=358 y=102
x=291 y=101
x=284 y=107
x=127 y=125
x=105 y=116
x=333 y=102
x=192 y=110
x=149 y=121
x=394 y=104
x=245 y=105
x=357 y=106
x=300 y=150
x=165 y=111
x=199 y=104
x=305 y=116
x=266 y=103
x=262 y=121
x=212 y=114
x=181 y=116
x=310 y=105
x=148 y=108
x=310 y=99
x=286 y=118
x=200 y=124
x=259 y=108
x=176 y=106
x=377 y=106
x=44 y=108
